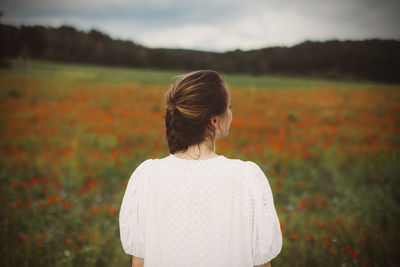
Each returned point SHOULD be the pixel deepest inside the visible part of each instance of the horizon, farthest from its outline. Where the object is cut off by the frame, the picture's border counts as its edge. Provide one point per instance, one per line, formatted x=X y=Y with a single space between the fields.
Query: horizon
x=198 y=50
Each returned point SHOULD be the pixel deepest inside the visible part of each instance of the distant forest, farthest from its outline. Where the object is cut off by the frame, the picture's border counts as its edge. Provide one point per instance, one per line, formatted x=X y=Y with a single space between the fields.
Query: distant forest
x=375 y=59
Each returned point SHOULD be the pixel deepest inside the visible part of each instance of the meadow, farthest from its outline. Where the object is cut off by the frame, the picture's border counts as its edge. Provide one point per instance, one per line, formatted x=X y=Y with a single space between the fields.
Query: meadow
x=71 y=135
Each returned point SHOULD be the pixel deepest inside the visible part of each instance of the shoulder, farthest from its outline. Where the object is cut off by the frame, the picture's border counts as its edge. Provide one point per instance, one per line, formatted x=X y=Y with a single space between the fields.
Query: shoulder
x=142 y=168
x=253 y=167
x=222 y=163
x=247 y=166
x=152 y=165
x=258 y=176
x=143 y=165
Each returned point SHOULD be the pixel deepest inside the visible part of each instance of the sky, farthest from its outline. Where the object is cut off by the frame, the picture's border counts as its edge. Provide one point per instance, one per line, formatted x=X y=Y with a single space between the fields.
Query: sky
x=214 y=25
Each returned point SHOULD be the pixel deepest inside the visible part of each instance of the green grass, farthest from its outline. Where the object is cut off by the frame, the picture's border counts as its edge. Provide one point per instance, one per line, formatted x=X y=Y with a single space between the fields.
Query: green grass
x=65 y=72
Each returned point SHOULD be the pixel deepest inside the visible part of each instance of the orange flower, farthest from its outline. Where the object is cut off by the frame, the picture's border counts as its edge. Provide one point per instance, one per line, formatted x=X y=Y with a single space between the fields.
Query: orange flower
x=325 y=236
x=53 y=199
x=23 y=237
x=34 y=180
x=302 y=204
x=14 y=185
x=338 y=220
x=308 y=238
x=83 y=238
x=110 y=210
x=115 y=153
x=95 y=210
x=67 y=205
x=96 y=154
x=327 y=244
x=88 y=186
x=346 y=248
x=16 y=204
x=25 y=184
x=40 y=245
x=353 y=254
x=57 y=184
x=294 y=236
x=332 y=253
x=314 y=221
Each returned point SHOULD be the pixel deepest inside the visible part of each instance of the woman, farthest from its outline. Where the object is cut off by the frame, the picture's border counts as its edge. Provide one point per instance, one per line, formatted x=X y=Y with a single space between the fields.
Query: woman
x=195 y=207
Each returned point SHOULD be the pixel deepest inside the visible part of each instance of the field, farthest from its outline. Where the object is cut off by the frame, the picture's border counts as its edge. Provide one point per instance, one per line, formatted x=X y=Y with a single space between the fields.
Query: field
x=72 y=135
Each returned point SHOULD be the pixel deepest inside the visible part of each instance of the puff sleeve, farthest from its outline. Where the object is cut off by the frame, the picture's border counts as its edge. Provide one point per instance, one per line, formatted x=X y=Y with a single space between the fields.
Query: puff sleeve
x=266 y=232
x=132 y=213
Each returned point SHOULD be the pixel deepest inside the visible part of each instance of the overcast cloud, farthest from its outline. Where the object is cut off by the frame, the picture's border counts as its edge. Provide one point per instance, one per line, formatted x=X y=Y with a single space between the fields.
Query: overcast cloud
x=215 y=25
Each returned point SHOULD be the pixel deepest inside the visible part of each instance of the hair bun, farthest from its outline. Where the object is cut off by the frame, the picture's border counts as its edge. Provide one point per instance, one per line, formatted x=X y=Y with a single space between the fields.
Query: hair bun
x=190 y=103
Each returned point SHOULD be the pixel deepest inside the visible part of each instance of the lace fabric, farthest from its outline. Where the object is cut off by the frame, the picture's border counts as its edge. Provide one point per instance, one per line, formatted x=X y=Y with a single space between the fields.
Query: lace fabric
x=213 y=212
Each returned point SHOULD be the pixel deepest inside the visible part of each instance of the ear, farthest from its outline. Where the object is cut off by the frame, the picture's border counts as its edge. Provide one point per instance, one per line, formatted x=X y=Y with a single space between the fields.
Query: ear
x=214 y=122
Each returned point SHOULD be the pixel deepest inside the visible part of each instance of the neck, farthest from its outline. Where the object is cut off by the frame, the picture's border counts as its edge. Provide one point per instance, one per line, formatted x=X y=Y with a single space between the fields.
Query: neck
x=203 y=150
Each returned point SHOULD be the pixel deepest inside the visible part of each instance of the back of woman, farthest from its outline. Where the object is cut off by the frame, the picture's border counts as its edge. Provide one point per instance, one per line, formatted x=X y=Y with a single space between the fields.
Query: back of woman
x=195 y=207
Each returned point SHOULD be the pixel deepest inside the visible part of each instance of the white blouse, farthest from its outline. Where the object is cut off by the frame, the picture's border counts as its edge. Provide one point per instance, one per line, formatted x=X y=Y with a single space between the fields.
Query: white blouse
x=214 y=212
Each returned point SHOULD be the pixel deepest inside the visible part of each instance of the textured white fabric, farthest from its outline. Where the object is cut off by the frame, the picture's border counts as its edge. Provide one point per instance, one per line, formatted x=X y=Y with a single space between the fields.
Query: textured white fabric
x=214 y=212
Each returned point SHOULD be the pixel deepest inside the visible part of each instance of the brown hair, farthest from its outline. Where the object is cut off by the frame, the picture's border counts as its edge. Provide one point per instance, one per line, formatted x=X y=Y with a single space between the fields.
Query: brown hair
x=190 y=103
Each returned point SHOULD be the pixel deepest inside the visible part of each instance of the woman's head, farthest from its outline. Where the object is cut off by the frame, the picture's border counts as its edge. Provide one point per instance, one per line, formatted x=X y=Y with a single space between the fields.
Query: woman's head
x=197 y=109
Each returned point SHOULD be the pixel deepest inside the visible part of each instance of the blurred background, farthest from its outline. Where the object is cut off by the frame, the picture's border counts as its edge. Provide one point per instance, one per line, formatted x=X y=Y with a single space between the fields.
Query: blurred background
x=315 y=89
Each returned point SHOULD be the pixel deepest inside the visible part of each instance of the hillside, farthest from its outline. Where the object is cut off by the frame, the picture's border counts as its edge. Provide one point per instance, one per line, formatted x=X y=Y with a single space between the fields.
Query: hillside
x=377 y=60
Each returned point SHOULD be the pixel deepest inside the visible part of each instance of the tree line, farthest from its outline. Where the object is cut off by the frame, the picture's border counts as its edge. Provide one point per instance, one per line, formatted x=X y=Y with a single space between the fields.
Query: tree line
x=373 y=59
